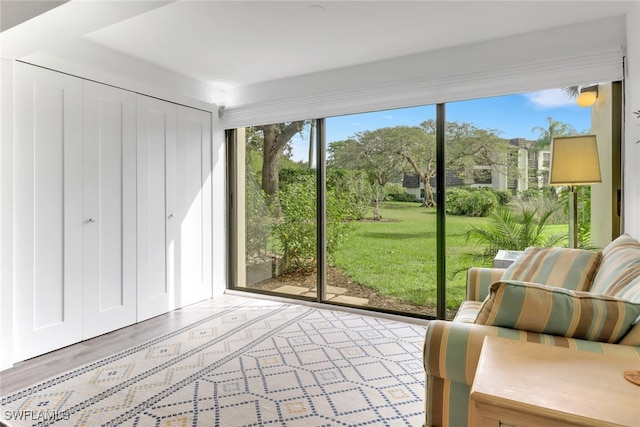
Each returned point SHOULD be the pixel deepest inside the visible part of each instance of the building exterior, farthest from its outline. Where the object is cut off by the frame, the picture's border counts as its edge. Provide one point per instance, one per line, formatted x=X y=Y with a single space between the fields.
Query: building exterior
x=531 y=171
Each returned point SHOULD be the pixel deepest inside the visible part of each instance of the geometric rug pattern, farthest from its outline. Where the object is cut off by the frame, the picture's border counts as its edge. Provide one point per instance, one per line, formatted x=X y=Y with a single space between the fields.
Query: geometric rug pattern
x=257 y=364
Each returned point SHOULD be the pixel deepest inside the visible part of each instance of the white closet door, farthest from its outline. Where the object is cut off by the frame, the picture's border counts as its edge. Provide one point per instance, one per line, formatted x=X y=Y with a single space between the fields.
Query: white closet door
x=156 y=206
x=193 y=206
x=48 y=211
x=109 y=209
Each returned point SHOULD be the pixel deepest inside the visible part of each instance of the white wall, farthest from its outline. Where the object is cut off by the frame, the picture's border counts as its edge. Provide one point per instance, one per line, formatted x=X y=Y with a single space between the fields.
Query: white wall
x=631 y=149
x=602 y=194
x=129 y=73
x=573 y=54
x=6 y=213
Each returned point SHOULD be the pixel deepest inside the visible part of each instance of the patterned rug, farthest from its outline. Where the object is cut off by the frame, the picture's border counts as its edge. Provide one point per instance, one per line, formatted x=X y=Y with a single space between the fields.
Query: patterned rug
x=257 y=364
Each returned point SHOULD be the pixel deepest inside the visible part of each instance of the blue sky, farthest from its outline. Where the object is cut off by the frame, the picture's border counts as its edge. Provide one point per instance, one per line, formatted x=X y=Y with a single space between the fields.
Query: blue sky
x=514 y=115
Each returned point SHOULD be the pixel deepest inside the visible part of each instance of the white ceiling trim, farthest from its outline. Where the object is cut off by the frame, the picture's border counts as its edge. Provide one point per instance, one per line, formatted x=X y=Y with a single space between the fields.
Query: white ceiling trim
x=574 y=54
x=525 y=77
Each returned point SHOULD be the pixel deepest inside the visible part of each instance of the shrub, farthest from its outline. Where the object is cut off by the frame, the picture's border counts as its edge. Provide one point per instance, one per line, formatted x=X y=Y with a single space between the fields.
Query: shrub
x=583 y=194
x=393 y=188
x=470 y=201
x=338 y=221
x=530 y=194
x=402 y=197
x=354 y=186
x=294 y=206
x=513 y=230
x=542 y=203
x=287 y=176
x=504 y=197
x=257 y=225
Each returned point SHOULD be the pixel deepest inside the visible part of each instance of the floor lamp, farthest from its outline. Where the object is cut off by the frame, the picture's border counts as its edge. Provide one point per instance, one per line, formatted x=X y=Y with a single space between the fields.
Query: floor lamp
x=574 y=161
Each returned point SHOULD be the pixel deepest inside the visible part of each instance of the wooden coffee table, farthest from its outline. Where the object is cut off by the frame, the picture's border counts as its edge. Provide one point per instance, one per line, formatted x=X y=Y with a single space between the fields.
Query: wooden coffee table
x=528 y=384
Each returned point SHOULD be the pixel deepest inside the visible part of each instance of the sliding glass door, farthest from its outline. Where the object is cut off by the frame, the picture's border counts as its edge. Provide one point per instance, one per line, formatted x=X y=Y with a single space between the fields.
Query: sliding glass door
x=387 y=210
x=274 y=202
x=387 y=259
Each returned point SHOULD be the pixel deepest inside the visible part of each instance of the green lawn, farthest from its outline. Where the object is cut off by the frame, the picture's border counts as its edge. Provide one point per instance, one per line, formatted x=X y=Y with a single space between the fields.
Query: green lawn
x=397 y=256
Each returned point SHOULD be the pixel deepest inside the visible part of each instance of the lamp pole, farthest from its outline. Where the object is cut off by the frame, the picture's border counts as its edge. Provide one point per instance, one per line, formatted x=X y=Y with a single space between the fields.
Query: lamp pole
x=573 y=217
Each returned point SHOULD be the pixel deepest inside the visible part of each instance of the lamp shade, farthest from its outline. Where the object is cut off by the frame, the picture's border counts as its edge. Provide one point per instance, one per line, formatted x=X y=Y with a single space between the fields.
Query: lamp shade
x=574 y=161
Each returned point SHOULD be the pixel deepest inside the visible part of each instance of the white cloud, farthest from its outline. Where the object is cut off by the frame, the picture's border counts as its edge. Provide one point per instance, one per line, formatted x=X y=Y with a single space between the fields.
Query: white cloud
x=388 y=117
x=551 y=98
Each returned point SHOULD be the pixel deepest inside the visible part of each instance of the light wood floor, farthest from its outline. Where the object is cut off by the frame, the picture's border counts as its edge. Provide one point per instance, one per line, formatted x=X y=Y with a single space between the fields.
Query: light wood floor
x=31 y=371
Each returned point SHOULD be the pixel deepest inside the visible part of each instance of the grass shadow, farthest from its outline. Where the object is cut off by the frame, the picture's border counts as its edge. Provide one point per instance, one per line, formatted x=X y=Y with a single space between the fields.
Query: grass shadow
x=399 y=236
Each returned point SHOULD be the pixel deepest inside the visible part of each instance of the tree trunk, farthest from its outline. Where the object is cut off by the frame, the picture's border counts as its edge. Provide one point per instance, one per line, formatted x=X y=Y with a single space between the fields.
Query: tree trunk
x=271 y=161
x=274 y=140
x=424 y=177
x=428 y=194
x=376 y=202
x=311 y=142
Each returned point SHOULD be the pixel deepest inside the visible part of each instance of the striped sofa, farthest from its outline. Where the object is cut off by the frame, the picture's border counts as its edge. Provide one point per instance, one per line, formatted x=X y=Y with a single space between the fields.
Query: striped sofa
x=583 y=300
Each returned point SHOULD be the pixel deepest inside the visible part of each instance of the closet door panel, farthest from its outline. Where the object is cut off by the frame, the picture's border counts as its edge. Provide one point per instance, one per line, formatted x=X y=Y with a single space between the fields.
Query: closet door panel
x=48 y=211
x=109 y=209
x=193 y=155
x=156 y=195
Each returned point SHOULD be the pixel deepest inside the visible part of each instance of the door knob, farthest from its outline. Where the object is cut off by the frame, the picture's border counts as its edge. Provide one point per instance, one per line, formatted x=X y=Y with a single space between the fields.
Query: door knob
x=92 y=220
x=171 y=216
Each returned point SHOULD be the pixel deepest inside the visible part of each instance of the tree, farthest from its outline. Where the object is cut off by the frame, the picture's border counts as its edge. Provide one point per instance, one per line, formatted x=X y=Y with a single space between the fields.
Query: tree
x=382 y=152
x=466 y=146
x=275 y=138
x=344 y=154
x=418 y=147
x=572 y=92
x=553 y=129
x=371 y=151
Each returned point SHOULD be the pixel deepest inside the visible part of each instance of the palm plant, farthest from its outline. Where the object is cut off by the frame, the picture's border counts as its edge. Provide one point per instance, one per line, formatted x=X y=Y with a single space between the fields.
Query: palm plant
x=513 y=230
x=584 y=214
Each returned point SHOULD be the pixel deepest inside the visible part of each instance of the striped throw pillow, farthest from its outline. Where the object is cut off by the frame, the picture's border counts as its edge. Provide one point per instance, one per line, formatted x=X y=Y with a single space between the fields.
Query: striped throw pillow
x=561 y=267
x=619 y=273
x=556 y=311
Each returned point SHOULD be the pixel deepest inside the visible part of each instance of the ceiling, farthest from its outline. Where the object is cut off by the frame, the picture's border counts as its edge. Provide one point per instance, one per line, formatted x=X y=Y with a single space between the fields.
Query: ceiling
x=230 y=44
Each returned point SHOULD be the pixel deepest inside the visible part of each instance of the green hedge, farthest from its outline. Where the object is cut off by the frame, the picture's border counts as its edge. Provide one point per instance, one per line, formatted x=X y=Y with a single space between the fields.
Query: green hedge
x=294 y=213
x=470 y=201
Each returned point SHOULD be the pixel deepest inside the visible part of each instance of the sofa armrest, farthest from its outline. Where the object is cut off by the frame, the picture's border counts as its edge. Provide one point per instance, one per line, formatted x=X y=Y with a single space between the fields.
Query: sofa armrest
x=452 y=349
x=479 y=279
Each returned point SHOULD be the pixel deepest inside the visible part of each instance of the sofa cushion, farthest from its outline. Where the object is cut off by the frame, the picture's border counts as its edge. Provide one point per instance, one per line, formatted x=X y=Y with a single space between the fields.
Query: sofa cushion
x=565 y=268
x=619 y=272
x=557 y=311
x=632 y=337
